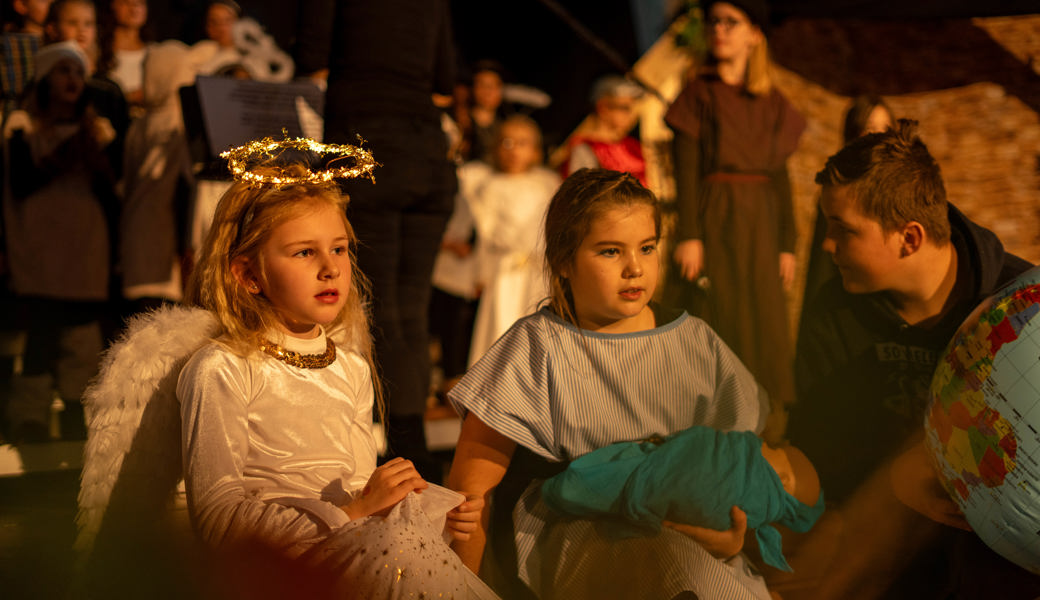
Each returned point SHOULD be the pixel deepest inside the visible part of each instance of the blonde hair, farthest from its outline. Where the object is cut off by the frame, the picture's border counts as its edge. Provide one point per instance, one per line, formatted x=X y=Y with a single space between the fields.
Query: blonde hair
x=759 y=77
x=243 y=222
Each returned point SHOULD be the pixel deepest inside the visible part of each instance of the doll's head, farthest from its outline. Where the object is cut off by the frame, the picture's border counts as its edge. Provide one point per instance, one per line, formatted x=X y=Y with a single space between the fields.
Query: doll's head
x=601 y=234
x=279 y=256
x=796 y=473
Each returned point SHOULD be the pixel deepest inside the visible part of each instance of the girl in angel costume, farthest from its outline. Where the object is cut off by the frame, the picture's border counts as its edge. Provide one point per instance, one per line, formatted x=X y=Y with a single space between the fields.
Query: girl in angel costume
x=276 y=409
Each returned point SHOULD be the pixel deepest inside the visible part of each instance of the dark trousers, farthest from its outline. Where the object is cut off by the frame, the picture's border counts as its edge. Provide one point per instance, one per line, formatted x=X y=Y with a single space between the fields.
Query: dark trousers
x=451 y=322
x=399 y=223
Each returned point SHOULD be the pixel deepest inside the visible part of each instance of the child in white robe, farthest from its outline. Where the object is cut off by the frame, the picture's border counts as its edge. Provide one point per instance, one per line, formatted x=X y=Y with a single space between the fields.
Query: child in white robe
x=278 y=447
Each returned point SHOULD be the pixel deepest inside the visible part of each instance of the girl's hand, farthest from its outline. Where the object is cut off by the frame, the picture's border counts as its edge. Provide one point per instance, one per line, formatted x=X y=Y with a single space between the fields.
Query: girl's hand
x=787 y=266
x=720 y=544
x=689 y=255
x=464 y=519
x=387 y=486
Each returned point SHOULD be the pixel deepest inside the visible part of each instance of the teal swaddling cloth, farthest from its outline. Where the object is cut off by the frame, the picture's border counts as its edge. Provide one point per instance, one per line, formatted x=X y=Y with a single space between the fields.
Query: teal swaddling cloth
x=694 y=477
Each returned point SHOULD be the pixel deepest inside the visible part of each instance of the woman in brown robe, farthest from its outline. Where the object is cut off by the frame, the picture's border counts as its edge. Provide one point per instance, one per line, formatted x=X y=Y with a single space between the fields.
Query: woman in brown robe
x=735 y=240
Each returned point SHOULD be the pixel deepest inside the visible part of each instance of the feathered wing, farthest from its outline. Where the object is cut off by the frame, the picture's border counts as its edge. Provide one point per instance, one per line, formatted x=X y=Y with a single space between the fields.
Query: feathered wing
x=132 y=458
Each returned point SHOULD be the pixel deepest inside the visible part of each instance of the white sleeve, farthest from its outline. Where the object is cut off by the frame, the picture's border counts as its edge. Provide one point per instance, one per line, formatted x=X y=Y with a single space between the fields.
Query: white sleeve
x=582 y=157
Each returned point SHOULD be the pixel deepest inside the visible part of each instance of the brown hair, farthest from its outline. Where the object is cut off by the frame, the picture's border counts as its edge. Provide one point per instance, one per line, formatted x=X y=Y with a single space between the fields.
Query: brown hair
x=584 y=196
x=858 y=114
x=893 y=179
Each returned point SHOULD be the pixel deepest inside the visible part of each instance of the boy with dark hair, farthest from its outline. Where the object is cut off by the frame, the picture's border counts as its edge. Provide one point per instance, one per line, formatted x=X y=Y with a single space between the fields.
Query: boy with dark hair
x=912 y=267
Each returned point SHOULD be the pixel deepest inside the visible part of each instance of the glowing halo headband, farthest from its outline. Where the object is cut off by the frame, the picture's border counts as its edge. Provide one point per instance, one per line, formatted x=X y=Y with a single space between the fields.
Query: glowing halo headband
x=244 y=159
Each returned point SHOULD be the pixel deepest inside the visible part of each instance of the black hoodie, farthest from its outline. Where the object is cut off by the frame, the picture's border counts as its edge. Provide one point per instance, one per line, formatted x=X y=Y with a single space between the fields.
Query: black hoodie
x=863 y=373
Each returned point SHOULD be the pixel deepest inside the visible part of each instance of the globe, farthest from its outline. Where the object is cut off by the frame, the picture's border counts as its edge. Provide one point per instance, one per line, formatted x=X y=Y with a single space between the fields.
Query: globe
x=983 y=417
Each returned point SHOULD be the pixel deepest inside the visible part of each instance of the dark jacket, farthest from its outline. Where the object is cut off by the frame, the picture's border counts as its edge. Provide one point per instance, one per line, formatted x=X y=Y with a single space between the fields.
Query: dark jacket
x=863 y=373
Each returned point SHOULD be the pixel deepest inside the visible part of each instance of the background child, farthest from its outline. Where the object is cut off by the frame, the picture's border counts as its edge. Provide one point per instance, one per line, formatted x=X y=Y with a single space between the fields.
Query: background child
x=125 y=37
x=733 y=134
x=76 y=21
x=485 y=114
x=279 y=452
x=158 y=185
x=29 y=16
x=58 y=207
x=455 y=296
x=597 y=366
x=605 y=142
x=694 y=476
x=20 y=40
x=508 y=205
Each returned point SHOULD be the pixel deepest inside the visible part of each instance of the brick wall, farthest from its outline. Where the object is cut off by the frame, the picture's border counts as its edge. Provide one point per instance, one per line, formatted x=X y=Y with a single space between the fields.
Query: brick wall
x=974 y=85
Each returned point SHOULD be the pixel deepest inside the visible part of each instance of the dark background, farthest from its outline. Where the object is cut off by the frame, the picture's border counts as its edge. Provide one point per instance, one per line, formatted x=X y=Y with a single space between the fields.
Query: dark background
x=540 y=49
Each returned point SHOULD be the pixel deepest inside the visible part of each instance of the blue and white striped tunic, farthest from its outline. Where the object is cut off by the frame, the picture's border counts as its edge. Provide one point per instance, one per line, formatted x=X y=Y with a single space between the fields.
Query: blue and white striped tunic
x=562 y=392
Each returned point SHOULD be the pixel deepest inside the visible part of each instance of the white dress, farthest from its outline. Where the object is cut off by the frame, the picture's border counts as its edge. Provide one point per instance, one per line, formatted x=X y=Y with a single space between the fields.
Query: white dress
x=271 y=451
x=509 y=215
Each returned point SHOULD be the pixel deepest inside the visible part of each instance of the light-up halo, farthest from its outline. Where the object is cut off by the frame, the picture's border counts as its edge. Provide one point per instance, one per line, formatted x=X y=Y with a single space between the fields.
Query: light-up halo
x=263 y=152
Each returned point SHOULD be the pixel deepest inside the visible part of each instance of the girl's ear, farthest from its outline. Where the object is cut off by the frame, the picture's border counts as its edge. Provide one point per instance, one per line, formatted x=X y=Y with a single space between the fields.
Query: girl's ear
x=243 y=272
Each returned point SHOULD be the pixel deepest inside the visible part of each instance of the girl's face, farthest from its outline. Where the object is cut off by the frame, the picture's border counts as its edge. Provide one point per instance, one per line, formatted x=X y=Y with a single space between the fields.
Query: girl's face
x=78 y=22
x=878 y=121
x=130 y=13
x=731 y=36
x=219 y=21
x=487 y=90
x=306 y=274
x=615 y=270
x=66 y=80
x=518 y=149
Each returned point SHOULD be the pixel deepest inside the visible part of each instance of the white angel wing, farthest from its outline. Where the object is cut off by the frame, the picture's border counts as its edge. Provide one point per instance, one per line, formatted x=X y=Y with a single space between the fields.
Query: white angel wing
x=132 y=458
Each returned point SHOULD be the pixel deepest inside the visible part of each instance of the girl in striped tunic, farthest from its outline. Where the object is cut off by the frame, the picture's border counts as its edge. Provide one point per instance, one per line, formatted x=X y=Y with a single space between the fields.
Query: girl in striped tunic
x=599 y=364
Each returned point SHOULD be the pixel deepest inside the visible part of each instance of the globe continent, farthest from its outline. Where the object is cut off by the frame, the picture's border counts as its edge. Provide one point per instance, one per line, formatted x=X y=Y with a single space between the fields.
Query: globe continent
x=982 y=422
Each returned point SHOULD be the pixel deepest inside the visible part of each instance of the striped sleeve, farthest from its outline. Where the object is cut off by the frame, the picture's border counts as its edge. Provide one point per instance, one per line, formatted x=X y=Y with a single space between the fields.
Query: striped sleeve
x=508 y=389
x=737 y=387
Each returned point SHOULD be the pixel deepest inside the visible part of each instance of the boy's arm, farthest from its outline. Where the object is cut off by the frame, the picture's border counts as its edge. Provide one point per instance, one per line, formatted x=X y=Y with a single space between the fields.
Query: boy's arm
x=916 y=485
x=482 y=456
